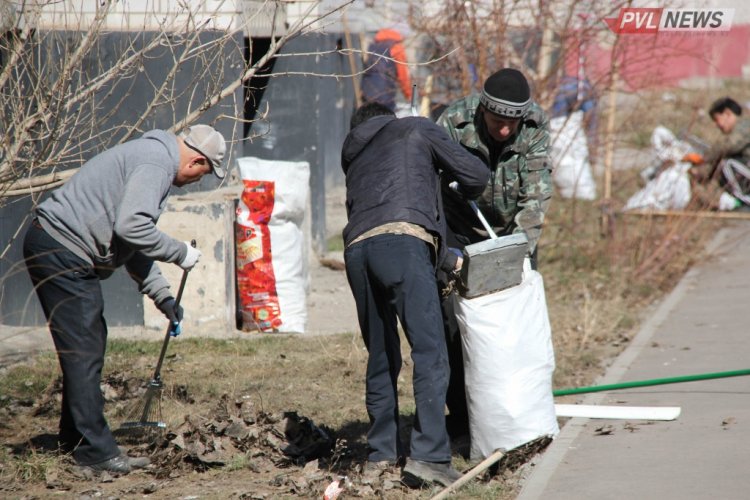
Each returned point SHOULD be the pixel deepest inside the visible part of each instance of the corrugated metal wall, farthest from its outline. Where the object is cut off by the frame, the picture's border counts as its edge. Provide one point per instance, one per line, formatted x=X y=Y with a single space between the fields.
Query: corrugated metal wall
x=308 y=117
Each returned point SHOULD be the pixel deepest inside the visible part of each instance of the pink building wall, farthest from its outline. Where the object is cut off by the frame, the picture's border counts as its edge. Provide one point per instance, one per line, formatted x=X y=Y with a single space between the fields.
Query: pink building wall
x=665 y=59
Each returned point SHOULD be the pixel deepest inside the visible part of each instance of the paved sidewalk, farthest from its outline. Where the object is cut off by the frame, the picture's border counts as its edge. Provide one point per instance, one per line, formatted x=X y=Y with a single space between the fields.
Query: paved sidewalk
x=700 y=328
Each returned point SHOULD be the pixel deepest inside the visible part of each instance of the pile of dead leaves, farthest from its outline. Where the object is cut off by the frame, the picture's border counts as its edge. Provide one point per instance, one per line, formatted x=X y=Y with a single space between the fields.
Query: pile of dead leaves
x=302 y=458
x=235 y=429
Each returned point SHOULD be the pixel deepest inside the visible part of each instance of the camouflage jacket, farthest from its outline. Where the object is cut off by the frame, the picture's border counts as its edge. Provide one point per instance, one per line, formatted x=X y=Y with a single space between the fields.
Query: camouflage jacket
x=735 y=145
x=520 y=186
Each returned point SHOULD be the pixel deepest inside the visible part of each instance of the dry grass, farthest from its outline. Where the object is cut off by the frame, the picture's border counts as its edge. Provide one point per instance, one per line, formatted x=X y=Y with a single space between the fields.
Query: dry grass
x=598 y=289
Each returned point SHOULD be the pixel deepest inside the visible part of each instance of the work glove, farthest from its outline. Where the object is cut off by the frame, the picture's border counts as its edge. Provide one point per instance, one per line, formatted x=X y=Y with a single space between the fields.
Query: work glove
x=694 y=158
x=458 y=253
x=191 y=258
x=173 y=312
x=456 y=188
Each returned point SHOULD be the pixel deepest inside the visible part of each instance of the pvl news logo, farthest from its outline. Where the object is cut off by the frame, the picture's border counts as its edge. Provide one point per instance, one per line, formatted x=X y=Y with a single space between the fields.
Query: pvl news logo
x=659 y=20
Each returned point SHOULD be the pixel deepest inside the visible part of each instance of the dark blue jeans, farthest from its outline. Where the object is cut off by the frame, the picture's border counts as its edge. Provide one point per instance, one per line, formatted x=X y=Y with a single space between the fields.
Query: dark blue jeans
x=392 y=277
x=71 y=297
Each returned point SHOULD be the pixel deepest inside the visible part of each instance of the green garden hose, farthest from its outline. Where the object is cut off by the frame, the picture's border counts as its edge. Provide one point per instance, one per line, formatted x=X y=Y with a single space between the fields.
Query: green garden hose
x=644 y=383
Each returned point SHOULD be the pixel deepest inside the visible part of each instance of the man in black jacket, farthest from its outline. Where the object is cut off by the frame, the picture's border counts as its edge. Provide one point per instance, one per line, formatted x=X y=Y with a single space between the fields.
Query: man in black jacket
x=395 y=240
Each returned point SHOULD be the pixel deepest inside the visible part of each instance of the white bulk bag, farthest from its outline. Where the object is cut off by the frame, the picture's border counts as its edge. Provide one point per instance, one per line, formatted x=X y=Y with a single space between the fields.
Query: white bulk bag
x=508 y=365
x=570 y=157
x=272 y=255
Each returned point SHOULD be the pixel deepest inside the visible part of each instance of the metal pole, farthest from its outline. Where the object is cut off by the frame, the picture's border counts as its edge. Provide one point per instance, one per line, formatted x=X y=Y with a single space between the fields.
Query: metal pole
x=656 y=381
x=414 y=100
x=168 y=334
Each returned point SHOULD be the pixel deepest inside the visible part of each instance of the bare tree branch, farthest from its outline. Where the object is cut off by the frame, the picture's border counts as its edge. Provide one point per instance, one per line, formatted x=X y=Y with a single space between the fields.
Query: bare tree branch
x=60 y=98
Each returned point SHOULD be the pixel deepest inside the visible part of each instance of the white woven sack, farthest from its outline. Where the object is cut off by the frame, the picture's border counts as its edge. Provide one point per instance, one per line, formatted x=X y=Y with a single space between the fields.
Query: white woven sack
x=508 y=365
x=669 y=190
x=570 y=156
x=288 y=243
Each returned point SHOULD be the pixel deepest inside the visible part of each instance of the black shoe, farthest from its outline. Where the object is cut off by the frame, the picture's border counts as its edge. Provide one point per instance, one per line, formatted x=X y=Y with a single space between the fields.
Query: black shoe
x=418 y=473
x=65 y=448
x=119 y=465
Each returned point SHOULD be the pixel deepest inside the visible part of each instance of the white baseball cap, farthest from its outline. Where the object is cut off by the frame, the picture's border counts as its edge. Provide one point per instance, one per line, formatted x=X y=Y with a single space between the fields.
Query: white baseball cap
x=209 y=142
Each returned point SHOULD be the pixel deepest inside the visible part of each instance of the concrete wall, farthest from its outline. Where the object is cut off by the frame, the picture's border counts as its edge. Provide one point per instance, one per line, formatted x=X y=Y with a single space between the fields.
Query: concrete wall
x=209 y=295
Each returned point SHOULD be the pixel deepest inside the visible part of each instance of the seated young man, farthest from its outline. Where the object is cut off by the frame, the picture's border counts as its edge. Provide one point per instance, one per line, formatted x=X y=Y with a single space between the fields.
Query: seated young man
x=721 y=179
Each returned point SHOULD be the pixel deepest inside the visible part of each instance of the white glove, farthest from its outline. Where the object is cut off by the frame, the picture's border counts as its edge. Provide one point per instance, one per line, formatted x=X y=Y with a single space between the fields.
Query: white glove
x=191 y=258
x=728 y=202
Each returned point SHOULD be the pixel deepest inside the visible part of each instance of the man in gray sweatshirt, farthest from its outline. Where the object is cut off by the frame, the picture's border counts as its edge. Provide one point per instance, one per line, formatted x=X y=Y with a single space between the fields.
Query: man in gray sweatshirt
x=105 y=217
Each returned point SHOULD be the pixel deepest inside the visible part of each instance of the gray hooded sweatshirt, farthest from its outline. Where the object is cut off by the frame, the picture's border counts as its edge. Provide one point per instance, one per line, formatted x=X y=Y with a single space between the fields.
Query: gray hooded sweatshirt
x=106 y=213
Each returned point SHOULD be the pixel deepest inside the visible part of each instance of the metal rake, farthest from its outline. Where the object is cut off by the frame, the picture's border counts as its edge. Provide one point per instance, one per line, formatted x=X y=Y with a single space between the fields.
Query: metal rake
x=146 y=415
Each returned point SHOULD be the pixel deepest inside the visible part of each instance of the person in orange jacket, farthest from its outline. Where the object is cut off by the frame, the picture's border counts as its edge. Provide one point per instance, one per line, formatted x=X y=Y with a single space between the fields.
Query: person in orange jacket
x=386 y=70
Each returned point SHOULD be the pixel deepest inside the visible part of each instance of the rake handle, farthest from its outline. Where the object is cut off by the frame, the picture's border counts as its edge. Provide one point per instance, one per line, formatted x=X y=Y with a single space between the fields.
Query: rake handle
x=478 y=469
x=157 y=371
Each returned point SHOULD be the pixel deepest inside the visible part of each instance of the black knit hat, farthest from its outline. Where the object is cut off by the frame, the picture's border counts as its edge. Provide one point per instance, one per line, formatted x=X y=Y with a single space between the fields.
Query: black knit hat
x=506 y=93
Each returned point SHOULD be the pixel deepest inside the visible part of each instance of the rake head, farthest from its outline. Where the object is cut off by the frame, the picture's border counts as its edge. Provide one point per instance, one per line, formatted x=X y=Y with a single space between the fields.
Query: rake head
x=145 y=418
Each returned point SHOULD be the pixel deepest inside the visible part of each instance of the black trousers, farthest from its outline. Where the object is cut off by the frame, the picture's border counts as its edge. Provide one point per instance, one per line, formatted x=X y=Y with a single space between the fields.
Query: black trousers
x=71 y=296
x=392 y=277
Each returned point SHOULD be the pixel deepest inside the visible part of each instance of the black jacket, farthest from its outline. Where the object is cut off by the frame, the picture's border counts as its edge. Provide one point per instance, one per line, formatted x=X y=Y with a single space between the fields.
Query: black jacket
x=392 y=171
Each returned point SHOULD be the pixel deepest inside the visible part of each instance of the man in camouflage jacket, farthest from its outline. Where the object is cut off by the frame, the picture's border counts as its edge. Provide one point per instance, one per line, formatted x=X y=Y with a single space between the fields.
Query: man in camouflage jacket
x=510 y=133
x=518 y=194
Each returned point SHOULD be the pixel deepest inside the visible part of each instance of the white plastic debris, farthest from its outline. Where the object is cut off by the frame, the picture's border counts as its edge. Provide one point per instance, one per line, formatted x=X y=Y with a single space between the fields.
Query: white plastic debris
x=334 y=489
